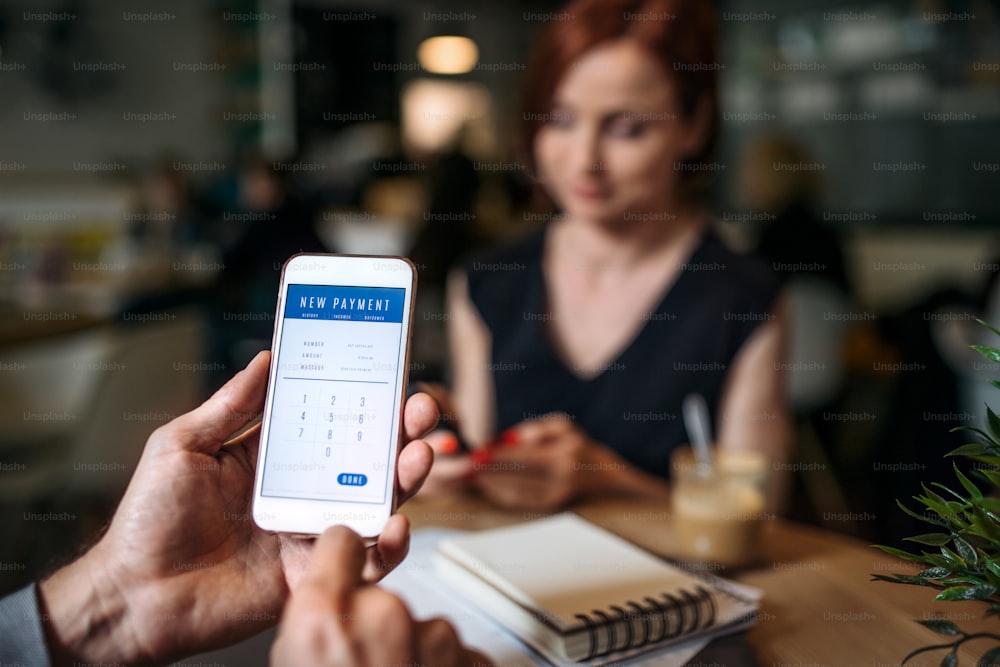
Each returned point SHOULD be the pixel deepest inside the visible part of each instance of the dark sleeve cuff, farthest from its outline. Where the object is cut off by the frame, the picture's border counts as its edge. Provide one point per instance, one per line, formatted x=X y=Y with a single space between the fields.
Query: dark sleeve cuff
x=22 y=641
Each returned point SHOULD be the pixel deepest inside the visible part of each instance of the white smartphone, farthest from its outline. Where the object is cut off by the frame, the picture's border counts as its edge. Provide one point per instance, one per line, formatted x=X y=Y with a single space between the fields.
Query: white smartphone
x=332 y=421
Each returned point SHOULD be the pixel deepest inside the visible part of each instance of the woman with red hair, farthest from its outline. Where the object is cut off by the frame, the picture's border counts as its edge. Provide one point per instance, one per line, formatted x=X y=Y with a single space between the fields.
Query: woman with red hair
x=578 y=344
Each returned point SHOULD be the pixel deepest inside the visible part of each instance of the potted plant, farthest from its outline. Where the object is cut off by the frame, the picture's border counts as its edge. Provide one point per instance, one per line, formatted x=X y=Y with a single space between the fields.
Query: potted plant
x=963 y=559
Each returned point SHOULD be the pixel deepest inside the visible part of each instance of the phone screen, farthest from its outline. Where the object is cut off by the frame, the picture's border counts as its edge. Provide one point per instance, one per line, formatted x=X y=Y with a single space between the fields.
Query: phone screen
x=336 y=383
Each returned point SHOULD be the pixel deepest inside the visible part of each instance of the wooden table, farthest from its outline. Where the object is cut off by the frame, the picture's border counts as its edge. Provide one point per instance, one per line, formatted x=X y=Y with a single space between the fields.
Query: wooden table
x=820 y=607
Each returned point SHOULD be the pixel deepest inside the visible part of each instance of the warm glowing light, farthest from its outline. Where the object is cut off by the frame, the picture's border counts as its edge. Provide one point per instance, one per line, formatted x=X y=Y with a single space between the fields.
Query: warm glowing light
x=448 y=54
x=434 y=111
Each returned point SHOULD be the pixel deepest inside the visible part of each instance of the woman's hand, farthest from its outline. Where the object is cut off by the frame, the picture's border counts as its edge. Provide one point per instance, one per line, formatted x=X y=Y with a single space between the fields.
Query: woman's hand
x=545 y=464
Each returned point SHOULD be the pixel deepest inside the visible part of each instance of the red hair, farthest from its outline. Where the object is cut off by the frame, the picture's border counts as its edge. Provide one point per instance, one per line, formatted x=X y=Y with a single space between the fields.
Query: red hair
x=680 y=34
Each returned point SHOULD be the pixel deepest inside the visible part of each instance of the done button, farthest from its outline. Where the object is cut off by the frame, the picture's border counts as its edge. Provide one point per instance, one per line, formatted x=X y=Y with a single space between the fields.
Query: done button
x=352 y=479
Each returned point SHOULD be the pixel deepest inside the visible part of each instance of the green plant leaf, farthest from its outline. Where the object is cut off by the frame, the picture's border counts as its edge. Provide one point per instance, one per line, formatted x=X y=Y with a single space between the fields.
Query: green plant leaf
x=990 y=567
x=990 y=442
x=929 y=494
x=982 y=532
x=988 y=326
x=991 y=658
x=951 y=594
x=990 y=353
x=968 y=449
x=952 y=557
x=941 y=627
x=987 y=462
x=967 y=484
x=931 y=539
x=967 y=534
x=966 y=551
x=936 y=504
x=950 y=491
x=968 y=580
x=992 y=476
x=986 y=526
x=949 y=510
x=992 y=508
x=966 y=593
x=922 y=517
x=906 y=579
x=936 y=561
x=899 y=553
x=935 y=573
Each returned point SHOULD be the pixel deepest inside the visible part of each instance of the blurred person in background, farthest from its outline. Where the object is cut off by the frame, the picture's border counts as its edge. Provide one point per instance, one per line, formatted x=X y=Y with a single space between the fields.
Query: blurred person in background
x=172 y=205
x=779 y=181
x=268 y=224
x=776 y=178
x=448 y=232
x=275 y=223
x=574 y=348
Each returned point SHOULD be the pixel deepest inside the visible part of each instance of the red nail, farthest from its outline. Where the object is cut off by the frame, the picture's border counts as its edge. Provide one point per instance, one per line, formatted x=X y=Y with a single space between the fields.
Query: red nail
x=481 y=456
x=508 y=438
x=448 y=444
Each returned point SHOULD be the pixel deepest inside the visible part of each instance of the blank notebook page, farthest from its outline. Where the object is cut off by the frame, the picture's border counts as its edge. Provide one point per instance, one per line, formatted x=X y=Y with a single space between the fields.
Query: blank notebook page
x=564 y=565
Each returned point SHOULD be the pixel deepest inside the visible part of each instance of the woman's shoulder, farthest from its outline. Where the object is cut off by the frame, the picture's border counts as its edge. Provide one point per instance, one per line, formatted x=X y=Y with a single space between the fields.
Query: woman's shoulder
x=510 y=260
x=501 y=277
x=523 y=249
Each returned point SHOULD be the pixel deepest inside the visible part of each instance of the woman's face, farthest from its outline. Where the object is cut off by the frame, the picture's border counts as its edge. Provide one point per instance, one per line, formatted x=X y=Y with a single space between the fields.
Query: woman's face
x=615 y=137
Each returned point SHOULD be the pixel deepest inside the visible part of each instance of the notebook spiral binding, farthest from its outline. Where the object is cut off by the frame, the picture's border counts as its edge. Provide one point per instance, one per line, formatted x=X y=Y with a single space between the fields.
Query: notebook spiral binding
x=676 y=616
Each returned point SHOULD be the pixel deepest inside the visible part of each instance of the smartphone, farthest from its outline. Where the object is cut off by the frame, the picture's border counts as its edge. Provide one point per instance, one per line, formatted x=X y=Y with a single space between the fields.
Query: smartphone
x=332 y=421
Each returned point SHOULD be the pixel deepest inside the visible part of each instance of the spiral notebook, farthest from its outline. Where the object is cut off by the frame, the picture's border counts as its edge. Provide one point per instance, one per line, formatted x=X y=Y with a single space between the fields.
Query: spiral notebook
x=570 y=588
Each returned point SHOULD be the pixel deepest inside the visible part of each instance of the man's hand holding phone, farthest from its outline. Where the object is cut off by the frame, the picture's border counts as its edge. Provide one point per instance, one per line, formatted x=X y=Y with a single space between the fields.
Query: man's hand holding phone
x=182 y=568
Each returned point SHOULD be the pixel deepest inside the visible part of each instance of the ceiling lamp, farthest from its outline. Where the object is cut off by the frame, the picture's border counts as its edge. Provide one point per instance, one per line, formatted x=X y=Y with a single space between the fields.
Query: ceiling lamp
x=448 y=54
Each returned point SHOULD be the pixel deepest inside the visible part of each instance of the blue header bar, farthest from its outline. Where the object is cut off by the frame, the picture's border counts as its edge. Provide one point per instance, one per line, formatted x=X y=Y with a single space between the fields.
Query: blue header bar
x=337 y=302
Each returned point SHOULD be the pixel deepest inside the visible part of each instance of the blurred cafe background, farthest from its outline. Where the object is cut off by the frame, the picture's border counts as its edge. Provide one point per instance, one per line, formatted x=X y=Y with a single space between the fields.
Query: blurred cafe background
x=157 y=165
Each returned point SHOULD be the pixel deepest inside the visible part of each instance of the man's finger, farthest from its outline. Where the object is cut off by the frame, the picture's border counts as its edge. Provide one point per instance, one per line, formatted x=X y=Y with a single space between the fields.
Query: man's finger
x=438 y=644
x=392 y=547
x=232 y=407
x=336 y=565
x=412 y=468
x=420 y=415
x=439 y=393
